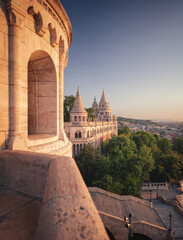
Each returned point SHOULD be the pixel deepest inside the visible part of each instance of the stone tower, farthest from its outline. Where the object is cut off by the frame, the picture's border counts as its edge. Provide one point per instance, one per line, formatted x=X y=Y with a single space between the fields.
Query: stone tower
x=104 y=111
x=95 y=106
x=78 y=112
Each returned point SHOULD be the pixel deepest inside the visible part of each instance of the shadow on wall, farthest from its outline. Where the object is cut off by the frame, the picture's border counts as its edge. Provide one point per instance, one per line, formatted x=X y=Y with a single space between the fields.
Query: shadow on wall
x=138 y=236
x=110 y=235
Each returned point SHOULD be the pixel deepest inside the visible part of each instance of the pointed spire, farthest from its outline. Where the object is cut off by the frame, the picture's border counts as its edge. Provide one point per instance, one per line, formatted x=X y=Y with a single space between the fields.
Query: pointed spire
x=103 y=104
x=95 y=105
x=78 y=104
x=103 y=98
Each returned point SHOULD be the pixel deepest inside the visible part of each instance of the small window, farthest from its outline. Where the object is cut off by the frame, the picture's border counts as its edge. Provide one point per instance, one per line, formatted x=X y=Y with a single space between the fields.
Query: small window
x=79 y=120
x=75 y=119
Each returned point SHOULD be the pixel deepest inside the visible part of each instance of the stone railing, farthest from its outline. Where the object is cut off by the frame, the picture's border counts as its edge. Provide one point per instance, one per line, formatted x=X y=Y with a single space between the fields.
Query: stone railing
x=117 y=227
x=82 y=139
x=152 y=231
x=68 y=211
x=175 y=204
x=153 y=186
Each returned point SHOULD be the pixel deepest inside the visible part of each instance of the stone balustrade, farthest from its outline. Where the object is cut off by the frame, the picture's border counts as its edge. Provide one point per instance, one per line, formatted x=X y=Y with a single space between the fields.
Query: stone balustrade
x=154 y=186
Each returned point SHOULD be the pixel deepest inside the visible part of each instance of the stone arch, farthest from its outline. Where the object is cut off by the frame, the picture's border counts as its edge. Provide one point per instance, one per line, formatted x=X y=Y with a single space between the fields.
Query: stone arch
x=42 y=94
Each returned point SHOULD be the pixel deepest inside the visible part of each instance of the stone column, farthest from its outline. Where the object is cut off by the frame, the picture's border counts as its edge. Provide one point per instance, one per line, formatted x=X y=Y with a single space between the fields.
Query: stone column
x=62 y=65
x=15 y=28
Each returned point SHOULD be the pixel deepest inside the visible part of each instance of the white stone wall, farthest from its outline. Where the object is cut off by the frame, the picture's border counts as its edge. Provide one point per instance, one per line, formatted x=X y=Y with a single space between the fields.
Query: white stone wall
x=4 y=81
x=36 y=32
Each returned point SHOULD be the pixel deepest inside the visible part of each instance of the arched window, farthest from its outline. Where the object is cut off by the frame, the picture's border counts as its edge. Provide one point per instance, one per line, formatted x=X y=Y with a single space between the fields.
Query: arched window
x=79 y=134
x=79 y=119
x=88 y=134
x=83 y=118
x=75 y=118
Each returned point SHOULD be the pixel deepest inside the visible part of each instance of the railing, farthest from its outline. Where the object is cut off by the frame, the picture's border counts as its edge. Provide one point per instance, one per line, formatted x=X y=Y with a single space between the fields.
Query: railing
x=148 y=186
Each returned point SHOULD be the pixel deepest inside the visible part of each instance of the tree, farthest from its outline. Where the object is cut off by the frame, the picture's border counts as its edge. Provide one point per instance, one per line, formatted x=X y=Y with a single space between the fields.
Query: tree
x=178 y=145
x=125 y=130
x=68 y=105
x=173 y=164
x=164 y=145
x=147 y=161
x=91 y=114
x=144 y=138
x=92 y=165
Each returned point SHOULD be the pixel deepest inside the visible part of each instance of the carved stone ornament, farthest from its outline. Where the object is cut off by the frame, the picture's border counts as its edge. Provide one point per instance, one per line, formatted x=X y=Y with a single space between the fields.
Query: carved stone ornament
x=53 y=35
x=15 y=18
x=39 y=26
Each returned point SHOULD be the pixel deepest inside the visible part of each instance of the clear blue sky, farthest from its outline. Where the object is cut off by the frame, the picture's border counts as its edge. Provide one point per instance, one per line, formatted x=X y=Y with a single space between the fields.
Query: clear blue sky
x=131 y=48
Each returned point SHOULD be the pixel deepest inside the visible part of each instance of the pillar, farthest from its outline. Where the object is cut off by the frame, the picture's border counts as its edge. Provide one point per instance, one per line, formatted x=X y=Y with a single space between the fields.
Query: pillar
x=62 y=65
x=16 y=141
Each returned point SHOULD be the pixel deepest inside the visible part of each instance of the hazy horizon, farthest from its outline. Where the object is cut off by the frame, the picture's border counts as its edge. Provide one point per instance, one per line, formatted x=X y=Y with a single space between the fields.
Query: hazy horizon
x=133 y=50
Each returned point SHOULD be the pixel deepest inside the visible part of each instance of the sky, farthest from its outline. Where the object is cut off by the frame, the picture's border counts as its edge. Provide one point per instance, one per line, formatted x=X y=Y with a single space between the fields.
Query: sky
x=133 y=49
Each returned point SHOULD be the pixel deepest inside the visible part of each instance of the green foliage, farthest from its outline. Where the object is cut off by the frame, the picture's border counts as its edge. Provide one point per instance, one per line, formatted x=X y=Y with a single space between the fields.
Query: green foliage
x=178 y=145
x=92 y=165
x=127 y=160
x=125 y=130
x=173 y=164
x=164 y=145
x=68 y=104
x=91 y=114
x=144 y=138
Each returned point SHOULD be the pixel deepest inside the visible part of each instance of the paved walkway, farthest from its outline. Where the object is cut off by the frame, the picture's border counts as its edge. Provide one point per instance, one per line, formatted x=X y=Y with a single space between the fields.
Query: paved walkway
x=163 y=210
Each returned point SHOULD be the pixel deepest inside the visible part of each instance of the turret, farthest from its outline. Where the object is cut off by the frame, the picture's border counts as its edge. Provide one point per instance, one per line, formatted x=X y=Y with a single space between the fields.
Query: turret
x=104 y=110
x=95 y=106
x=78 y=112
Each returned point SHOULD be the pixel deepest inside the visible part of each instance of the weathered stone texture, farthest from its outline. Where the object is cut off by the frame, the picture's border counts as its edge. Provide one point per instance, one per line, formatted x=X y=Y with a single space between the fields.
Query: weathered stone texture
x=35 y=40
x=68 y=209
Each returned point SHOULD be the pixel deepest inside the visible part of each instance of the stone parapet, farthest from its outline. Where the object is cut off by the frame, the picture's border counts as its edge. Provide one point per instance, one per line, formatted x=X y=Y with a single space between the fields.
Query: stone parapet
x=68 y=210
x=117 y=226
x=150 y=230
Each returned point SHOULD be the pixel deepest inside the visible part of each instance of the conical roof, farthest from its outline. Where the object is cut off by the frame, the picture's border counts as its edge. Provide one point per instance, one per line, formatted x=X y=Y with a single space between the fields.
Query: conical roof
x=103 y=102
x=78 y=104
x=103 y=98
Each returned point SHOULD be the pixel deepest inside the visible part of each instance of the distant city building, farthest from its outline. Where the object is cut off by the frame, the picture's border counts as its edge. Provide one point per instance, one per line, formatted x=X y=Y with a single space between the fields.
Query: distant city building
x=81 y=132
